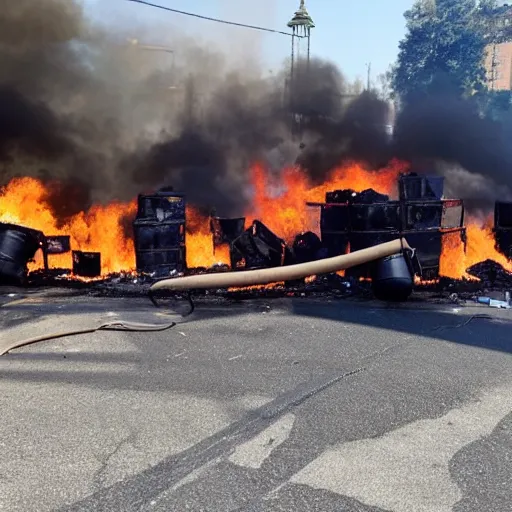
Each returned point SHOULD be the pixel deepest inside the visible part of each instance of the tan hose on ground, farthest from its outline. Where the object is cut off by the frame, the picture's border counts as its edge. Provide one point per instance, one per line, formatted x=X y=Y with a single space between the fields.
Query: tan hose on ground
x=245 y=278
x=111 y=326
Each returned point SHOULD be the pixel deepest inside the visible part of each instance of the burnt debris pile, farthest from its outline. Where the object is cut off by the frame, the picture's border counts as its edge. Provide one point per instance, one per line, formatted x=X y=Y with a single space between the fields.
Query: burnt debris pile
x=346 y=222
x=258 y=247
x=491 y=275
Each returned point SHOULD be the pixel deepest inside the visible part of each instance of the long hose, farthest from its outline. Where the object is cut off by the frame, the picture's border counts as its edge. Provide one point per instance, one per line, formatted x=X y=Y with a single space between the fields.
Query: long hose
x=240 y=279
x=235 y=279
x=112 y=326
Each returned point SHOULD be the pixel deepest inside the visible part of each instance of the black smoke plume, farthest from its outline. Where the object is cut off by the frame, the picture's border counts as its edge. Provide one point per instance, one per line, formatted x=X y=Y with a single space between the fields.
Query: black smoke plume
x=97 y=119
x=357 y=133
x=443 y=133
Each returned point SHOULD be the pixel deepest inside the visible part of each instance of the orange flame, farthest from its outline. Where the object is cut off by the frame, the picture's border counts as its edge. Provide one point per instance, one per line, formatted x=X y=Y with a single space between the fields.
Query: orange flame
x=288 y=216
x=199 y=242
x=23 y=201
x=480 y=246
x=280 y=202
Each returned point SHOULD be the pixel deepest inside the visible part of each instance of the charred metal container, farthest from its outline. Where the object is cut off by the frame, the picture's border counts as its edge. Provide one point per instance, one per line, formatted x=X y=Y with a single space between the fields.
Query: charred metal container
x=159 y=233
x=423 y=224
x=86 y=264
x=162 y=205
x=226 y=230
x=503 y=227
x=258 y=247
x=334 y=228
x=426 y=233
x=414 y=187
x=375 y=217
x=18 y=245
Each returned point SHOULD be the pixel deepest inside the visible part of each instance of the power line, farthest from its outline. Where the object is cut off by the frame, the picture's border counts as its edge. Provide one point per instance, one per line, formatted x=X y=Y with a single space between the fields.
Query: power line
x=225 y=22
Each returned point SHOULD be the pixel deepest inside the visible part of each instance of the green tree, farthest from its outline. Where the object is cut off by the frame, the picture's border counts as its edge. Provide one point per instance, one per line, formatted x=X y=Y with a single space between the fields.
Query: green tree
x=443 y=39
x=412 y=70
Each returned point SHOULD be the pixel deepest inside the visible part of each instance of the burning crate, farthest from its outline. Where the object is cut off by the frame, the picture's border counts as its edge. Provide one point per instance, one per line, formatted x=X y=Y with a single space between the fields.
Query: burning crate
x=426 y=225
x=159 y=233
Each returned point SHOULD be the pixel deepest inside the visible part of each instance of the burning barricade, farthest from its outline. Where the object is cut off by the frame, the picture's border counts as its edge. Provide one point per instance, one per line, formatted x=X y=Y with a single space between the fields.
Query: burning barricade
x=170 y=238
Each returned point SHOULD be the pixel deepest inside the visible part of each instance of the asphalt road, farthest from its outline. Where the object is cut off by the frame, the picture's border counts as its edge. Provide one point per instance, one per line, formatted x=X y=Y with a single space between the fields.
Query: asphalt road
x=300 y=405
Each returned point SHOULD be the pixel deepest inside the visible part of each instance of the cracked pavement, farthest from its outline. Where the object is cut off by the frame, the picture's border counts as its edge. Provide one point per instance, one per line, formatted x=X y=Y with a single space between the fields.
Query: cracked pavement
x=275 y=405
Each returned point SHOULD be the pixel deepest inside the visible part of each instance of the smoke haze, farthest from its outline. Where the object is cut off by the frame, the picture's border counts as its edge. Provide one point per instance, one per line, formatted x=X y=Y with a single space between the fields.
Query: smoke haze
x=99 y=118
x=446 y=134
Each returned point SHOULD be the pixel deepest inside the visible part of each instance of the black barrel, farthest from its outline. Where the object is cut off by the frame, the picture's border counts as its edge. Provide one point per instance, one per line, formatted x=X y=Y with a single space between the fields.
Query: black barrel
x=159 y=233
x=18 y=245
x=392 y=278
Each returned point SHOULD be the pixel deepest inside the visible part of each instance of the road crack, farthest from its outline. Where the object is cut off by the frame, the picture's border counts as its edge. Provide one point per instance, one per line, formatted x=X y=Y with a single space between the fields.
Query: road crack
x=100 y=475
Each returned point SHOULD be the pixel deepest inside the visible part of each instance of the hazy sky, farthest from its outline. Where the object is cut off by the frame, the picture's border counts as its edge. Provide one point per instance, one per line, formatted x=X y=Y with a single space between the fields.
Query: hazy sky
x=351 y=33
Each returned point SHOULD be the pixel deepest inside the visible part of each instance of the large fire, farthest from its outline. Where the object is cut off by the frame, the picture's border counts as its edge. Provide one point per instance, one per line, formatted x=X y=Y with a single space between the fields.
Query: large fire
x=102 y=228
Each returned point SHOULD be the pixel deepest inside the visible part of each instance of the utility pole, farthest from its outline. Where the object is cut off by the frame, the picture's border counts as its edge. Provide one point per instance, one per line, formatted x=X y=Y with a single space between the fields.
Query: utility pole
x=369 y=76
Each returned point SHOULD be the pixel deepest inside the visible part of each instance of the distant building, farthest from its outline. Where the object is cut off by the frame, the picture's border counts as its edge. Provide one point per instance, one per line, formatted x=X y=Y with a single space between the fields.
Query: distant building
x=498 y=64
x=498 y=61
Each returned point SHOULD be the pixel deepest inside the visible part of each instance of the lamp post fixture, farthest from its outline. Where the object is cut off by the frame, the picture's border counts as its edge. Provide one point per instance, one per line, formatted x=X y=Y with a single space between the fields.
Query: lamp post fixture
x=301 y=25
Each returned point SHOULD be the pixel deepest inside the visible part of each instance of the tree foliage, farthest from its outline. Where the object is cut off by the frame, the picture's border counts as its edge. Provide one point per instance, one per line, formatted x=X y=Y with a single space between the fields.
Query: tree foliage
x=445 y=42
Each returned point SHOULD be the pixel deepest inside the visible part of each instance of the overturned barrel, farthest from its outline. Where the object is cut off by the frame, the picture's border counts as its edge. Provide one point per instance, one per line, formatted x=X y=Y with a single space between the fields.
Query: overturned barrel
x=392 y=278
x=18 y=245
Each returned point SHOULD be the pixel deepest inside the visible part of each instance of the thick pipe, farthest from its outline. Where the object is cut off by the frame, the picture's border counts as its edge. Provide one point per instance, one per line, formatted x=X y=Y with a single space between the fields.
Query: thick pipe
x=289 y=273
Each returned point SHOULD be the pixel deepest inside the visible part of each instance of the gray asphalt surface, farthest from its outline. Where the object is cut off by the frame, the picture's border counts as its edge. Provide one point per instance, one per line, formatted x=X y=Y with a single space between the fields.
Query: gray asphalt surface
x=303 y=405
